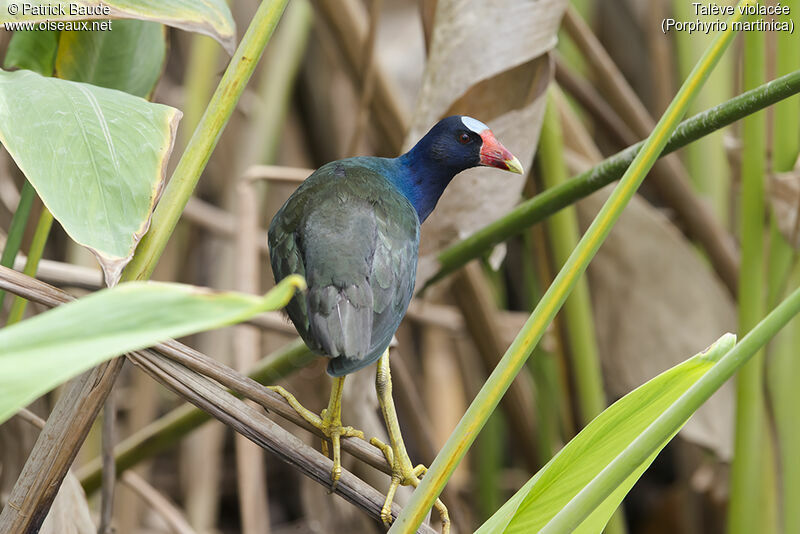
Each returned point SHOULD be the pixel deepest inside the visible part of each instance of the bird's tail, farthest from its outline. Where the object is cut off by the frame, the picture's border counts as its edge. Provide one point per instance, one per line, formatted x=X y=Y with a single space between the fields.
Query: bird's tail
x=341 y=320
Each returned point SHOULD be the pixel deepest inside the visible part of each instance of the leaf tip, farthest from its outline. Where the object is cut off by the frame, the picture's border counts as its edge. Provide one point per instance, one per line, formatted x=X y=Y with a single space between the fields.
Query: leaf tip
x=296 y=281
x=719 y=348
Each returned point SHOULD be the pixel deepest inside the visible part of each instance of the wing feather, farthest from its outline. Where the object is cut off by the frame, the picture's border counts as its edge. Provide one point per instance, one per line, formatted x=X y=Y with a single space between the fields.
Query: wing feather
x=355 y=239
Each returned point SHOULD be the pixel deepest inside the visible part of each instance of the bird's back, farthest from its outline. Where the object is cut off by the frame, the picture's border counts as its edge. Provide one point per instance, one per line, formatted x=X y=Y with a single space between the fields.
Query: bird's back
x=354 y=237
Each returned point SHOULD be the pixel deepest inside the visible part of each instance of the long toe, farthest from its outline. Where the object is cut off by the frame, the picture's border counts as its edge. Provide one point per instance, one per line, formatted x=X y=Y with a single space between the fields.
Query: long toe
x=329 y=423
x=386 y=511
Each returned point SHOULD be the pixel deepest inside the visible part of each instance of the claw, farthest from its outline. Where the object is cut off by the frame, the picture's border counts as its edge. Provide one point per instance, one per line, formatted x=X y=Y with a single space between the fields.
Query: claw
x=404 y=475
x=386 y=510
x=329 y=422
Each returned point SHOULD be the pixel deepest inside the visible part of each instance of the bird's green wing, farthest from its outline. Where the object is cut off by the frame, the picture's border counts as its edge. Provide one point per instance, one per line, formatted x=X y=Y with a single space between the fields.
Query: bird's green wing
x=355 y=238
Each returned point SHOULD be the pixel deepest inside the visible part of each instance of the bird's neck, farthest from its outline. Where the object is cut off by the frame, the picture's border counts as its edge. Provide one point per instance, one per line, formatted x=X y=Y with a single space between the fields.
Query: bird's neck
x=422 y=180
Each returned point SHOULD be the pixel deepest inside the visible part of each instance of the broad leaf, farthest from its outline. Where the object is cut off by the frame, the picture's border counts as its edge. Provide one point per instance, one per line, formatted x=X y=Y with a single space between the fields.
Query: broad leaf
x=34 y=51
x=129 y=59
x=210 y=17
x=38 y=354
x=583 y=458
x=96 y=156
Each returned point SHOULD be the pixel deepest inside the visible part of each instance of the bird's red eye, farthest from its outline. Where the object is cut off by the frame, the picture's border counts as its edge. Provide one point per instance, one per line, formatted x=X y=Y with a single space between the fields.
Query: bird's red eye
x=464 y=138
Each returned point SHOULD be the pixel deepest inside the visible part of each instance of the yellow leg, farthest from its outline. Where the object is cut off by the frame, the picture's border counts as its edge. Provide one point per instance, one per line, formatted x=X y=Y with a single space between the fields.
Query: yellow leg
x=403 y=472
x=329 y=422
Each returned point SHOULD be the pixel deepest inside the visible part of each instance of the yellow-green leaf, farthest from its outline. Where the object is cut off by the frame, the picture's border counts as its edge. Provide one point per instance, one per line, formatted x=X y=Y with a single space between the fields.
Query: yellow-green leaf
x=605 y=438
x=38 y=354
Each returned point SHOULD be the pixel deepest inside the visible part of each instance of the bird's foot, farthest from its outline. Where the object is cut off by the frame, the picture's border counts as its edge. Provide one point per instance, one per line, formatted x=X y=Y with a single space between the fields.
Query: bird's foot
x=404 y=474
x=329 y=422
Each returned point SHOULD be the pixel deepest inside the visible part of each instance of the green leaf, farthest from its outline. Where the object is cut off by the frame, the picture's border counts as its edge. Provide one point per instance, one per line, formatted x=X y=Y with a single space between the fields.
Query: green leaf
x=96 y=156
x=209 y=17
x=605 y=438
x=129 y=59
x=34 y=51
x=38 y=354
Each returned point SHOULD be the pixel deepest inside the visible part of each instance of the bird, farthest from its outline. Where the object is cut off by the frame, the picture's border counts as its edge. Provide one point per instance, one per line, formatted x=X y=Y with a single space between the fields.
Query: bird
x=352 y=230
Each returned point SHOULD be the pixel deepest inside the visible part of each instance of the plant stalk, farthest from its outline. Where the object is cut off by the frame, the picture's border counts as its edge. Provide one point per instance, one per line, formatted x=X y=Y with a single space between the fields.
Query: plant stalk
x=18 y=223
x=577 y=312
x=201 y=69
x=706 y=160
x=205 y=137
x=563 y=232
x=783 y=367
x=32 y=262
x=746 y=513
x=786 y=133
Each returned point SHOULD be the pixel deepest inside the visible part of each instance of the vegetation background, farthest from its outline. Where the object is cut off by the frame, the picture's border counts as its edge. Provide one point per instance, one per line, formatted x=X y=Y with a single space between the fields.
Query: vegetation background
x=707 y=246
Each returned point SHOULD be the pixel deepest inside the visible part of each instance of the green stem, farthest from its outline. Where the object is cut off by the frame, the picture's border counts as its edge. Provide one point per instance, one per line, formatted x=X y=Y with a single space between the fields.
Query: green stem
x=32 y=263
x=17 y=230
x=277 y=80
x=706 y=160
x=563 y=231
x=201 y=69
x=552 y=402
x=169 y=429
x=548 y=202
x=547 y=403
x=489 y=456
x=746 y=511
x=673 y=418
x=549 y=396
x=782 y=371
x=498 y=382
x=783 y=367
x=204 y=139
x=786 y=134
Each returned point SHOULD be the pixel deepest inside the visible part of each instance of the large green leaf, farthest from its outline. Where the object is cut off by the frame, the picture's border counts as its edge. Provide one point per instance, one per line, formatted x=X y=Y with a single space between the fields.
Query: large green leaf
x=605 y=438
x=129 y=59
x=96 y=156
x=210 y=17
x=38 y=354
x=34 y=51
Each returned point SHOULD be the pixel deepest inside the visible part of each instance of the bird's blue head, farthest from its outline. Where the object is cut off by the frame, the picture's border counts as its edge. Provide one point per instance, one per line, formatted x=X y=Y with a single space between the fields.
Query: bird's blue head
x=454 y=144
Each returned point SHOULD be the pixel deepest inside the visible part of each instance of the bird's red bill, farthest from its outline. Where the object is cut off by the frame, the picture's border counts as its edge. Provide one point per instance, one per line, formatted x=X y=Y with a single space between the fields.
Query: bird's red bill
x=494 y=154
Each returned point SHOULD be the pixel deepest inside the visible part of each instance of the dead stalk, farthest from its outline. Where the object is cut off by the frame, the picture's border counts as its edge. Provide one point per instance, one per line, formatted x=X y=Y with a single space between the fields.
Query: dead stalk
x=109 y=466
x=367 y=78
x=251 y=468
